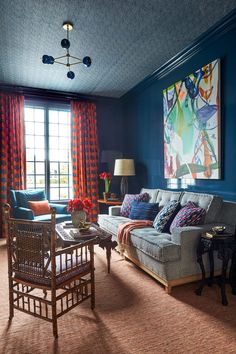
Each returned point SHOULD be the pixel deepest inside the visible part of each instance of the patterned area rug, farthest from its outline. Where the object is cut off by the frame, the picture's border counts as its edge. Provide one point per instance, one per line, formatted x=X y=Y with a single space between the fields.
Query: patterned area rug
x=133 y=315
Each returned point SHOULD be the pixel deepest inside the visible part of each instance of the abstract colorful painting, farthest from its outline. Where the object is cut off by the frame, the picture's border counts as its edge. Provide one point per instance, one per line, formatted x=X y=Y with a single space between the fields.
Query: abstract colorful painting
x=192 y=125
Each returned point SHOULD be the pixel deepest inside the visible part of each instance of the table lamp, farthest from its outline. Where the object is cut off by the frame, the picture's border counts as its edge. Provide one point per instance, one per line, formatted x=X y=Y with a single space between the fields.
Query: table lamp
x=124 y=168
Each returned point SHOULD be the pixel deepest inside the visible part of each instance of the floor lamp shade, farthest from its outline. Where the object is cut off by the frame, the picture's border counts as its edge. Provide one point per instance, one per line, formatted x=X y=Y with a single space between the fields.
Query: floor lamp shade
x=124 y=168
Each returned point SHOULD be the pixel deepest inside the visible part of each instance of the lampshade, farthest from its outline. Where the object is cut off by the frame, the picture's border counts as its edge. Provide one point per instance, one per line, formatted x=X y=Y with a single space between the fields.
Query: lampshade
x=124 y=167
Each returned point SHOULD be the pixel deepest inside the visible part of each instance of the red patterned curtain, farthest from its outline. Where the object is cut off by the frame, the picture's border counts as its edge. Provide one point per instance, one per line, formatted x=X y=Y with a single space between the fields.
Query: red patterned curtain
x=12 y=158
x=84 y=146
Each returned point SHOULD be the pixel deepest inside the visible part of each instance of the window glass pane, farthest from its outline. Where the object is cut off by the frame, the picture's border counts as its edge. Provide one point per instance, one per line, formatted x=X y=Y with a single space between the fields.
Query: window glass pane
x=53 y=116
x=53 y=142
x=39 y=128
x=64 y=168
x=39 y=142
x=54 y=181
x=40 y=182
x=30 y=168
x=63 y=155
x=64 y=143
x=30 y=182
x=29 y=128
x=63 y=117
x=64 y=181
x=39 y=154
x=64 y=130
x=54 y=168
x=29 y=141
x=29 y=154
x=40 y=168
x=64 y=193
x=29 y=114
x=54 y=155
x=54 y=193
x=39 y=115
x=53 y=129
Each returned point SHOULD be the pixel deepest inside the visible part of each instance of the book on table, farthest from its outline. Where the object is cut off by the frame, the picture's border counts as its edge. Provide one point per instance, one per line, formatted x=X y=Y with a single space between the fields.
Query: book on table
x=83 y=234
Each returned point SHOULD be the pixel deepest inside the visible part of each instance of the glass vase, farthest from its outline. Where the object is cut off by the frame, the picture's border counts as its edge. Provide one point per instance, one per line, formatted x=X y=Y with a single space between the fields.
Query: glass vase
x=77 y=216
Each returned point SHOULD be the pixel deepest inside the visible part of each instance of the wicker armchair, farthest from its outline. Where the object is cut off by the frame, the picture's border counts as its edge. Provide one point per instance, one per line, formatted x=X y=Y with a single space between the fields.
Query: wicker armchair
x=44 y=281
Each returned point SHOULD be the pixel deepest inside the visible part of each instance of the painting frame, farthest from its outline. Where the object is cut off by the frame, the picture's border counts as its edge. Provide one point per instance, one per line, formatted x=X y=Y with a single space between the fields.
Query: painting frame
x=192 y=125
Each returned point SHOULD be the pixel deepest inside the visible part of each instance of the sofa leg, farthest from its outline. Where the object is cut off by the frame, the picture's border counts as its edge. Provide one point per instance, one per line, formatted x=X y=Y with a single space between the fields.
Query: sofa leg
x=168 y=289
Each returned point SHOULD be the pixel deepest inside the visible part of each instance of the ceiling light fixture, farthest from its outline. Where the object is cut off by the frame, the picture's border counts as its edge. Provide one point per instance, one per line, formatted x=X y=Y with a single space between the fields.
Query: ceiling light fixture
x=65 y=43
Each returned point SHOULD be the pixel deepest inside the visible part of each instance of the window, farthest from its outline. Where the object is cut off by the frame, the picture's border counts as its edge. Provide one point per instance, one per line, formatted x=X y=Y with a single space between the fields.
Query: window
x=48 y=153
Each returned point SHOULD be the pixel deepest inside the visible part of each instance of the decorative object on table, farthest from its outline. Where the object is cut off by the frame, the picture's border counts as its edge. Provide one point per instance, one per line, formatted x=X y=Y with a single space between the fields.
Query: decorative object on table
x=192 y=125
x=106 y=176
x=79 y=209
x=65 y=43
x=219 y=229
x=124 y=168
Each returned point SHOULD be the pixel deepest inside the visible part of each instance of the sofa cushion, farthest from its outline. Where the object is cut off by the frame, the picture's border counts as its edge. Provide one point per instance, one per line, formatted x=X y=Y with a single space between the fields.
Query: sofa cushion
x=164 y=197
x=210 y=203
x=111 y=223
x=143 y=211
x=154 y=244
x=40 y=207
x=164 y=218
x=129 y=199
x=23 y=196
x=189 y=215
x=152 y=194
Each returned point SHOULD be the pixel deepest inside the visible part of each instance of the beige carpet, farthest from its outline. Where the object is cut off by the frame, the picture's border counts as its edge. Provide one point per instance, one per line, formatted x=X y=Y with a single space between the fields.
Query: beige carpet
x=133 y=315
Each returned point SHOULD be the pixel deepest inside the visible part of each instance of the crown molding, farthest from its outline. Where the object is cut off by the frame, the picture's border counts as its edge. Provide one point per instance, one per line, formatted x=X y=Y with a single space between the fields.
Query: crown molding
x=44 y=94
x=225 y=25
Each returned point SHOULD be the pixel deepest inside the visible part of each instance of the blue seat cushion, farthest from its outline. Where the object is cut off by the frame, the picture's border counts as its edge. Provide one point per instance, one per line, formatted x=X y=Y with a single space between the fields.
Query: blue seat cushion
x=47 y=217
x=23 y=196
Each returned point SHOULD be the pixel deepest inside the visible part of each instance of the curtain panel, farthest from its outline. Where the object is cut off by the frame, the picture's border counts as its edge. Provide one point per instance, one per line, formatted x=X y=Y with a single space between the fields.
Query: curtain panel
x=12 y=149
x=84 y=148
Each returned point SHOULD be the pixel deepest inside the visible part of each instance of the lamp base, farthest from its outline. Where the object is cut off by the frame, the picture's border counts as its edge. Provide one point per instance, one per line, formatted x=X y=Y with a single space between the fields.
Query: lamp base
x=123 y=186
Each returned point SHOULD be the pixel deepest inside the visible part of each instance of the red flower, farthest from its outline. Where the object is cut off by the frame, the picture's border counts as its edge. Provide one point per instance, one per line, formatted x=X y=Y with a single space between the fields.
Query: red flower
x=105 y=175
x=79 y=204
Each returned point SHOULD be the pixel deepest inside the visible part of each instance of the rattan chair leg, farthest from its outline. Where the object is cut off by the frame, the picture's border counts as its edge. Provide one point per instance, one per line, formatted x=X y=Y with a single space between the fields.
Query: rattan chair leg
x=11 y=302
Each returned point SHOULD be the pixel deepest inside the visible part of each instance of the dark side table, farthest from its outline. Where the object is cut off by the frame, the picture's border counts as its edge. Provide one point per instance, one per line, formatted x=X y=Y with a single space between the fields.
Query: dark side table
x=225 y=246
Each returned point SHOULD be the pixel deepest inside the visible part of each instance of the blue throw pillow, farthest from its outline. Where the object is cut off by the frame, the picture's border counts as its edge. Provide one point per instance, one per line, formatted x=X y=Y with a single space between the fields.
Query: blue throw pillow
x=143 y=211
x=165 y=217
x=23 y=196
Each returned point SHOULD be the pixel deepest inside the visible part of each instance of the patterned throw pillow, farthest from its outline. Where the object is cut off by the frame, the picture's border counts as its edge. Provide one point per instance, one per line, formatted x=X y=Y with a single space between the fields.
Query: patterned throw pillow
x=143 y=211
x=129 y=199
x=166 y=215
x=189 y=215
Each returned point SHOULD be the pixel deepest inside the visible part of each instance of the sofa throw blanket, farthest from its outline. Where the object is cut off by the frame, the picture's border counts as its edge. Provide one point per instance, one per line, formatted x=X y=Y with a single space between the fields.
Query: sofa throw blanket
x=125 y=229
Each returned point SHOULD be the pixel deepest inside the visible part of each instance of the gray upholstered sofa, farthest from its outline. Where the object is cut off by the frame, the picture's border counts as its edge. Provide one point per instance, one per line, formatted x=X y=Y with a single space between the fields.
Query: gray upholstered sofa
x=171 y=258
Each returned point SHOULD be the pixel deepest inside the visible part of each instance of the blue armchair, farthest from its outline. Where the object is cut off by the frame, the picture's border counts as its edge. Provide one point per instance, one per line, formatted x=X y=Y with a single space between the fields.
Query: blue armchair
x=20 y=209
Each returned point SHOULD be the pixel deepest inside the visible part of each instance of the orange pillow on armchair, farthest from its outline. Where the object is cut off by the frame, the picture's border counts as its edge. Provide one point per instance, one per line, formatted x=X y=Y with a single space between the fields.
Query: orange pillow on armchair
x=40 y=207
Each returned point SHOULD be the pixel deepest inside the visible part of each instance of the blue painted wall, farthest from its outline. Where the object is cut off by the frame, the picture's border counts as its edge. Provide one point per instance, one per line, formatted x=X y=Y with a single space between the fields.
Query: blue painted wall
x=143 y=119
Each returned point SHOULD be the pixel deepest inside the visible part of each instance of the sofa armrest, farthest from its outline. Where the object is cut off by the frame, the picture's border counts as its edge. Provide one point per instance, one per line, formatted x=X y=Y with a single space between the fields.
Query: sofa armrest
x=186 y=234
x=23 y=213
x=60 y=208
x=114 y=210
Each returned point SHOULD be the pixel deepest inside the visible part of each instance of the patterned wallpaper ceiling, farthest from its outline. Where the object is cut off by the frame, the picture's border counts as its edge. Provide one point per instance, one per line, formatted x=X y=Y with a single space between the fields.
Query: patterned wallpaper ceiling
x=126 y=39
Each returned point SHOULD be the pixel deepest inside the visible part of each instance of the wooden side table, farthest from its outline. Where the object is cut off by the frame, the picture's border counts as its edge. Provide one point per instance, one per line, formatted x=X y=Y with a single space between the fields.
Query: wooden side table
x=109 y=202
x=225 y=245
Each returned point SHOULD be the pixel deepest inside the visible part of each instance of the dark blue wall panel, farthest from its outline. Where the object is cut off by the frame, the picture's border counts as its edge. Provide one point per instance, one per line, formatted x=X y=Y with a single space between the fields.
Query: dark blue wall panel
x=143 y=120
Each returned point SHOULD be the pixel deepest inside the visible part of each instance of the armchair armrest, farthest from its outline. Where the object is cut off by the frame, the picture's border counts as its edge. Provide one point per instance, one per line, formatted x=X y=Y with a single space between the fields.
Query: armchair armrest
x=23 y=213
x=60 y=208
x=114 y=210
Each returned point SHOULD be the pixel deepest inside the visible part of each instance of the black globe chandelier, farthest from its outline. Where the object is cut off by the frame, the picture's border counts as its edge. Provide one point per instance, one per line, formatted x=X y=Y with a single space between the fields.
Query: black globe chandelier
x=65 y=43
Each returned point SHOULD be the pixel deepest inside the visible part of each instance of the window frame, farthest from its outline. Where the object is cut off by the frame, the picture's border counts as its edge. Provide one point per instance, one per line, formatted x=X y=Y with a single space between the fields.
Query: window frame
x=47 y=106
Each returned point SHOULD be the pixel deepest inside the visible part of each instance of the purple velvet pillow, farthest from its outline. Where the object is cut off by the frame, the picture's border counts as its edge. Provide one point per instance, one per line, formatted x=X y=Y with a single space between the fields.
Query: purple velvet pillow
x=189 y=215
x=129 y=199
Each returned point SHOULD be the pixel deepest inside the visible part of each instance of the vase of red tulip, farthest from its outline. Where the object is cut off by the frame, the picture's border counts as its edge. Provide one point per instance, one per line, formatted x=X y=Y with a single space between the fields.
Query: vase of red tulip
x=79 y=209
x=107 y=180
